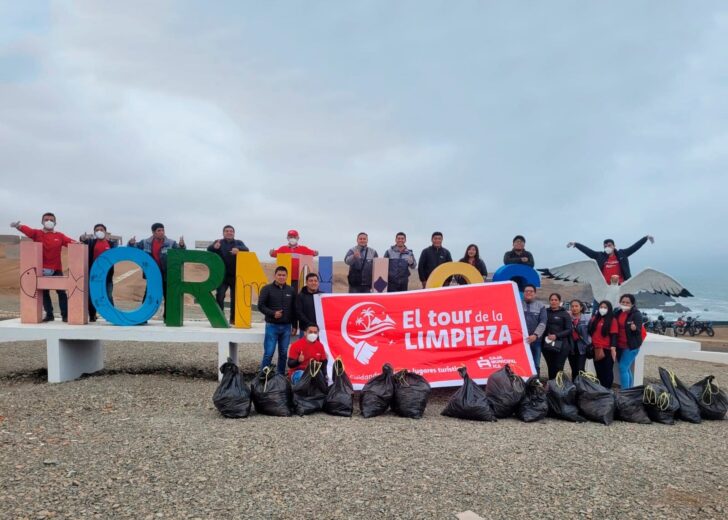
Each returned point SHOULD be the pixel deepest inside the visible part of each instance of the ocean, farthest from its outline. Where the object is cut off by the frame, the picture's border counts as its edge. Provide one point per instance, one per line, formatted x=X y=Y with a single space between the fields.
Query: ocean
x=710 y=300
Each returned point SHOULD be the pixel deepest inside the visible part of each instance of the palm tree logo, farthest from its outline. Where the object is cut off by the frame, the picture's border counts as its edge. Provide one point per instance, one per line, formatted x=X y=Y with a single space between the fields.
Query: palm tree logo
x=372 y=320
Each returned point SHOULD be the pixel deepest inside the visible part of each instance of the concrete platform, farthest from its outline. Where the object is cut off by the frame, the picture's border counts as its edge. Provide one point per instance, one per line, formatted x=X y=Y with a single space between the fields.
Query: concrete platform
x=73 y=350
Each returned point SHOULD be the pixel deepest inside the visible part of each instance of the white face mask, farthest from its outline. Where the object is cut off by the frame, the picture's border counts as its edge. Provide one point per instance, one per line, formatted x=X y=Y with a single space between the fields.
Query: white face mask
x=609 y=250
x=602 y=311
x=100 y=234
x=312 y=337
x=292 y=241
x=49 y=224
x=625 y=308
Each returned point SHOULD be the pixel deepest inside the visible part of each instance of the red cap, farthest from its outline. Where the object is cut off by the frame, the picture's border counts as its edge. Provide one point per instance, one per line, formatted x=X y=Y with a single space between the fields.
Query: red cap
x=292 y=233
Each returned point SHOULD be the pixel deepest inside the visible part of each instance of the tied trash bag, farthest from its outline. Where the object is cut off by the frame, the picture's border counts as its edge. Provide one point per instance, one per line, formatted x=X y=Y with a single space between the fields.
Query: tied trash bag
x=271 y=393
x=713 y=401
x=595 y=402
x=504 y=391
x=469 y=401
x=630 y=407
x=534 y=406
x=340 y=397
x=310 y=391
x=660 y=404
x=561 y=397
x=410 y=394
x=689 y=409
x=232 y=396
x=377 y=394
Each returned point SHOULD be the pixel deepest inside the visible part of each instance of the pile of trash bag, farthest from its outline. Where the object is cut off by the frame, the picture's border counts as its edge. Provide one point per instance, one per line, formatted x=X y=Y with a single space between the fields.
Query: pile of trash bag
x=595 y=402
x=232 y=396
x=561 y=397
x=310 y=390
x=505 y=391
x=713 y=401
x=272 y=393
x=411 y=392
x=630 y=406
x=340 y=396
x=376 y=396
x=688 y=405
x=660 y=404
x=469 y=401
x=533 y=406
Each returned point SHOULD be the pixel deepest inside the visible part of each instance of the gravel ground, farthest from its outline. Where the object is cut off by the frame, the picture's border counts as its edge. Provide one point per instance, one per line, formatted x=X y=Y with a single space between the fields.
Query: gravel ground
x=143 y=440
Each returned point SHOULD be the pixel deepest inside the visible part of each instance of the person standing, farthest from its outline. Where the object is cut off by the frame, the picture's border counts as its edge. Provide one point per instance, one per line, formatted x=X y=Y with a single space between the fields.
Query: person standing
x=227 y=249
x=277 y=302
x=557 y=344
x=296 y=250
x=603 y=330
x=99 y=243
x=518 y=255
x=629 y=337
x=472 y=257
x=360 y=260
x=613 y=261
x=579 y=336
x=305 y=308
x=401 y=260
x=535 y=313
x=431 y=257
x=53 y=242
x=157 y=247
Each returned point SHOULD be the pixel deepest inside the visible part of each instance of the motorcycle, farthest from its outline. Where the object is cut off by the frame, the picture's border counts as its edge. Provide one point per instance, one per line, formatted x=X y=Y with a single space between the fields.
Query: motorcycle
x=698 y=327
x=679 y=326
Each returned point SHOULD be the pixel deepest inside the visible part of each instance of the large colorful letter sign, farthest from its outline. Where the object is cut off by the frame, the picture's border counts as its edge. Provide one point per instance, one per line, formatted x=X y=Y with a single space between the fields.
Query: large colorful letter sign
x=249 y=278
x=97 y=286
x=444 y=271
x=326 y=274
x=432 y=332
x=202 y=291
x=32 y=283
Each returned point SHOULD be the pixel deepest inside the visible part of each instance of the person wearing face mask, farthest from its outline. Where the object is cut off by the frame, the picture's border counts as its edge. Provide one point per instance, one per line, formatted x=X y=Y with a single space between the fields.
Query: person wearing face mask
x=227 y=249
x=303 y=351
x=603 y=330
x=558 y=341
x=99 y=243
x=296 y=250
x=629 y=337
x=401 y=261
x=431 y=257
x=305 y=309
x=580 y=337
x=613 y=261
x=518 y=255
x=53 y=242
x=360 y=260
x=535 y=313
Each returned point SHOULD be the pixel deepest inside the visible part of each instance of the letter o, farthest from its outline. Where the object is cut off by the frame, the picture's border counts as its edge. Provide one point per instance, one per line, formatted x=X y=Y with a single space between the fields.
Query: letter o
x=520 y=274
x=444 y=271
x=100 y=298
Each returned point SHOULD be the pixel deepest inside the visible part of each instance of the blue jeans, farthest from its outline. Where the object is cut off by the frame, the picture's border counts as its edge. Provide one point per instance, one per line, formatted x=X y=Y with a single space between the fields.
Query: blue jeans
x=536 y=355
x=279 y=334
x=626 y=358
x=296 y=376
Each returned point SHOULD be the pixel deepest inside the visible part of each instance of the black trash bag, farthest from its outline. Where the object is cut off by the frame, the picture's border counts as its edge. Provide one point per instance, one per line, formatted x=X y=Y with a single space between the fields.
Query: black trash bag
x=689 y=409
x=310 y=391
x=534 y=406
x=561 y=396
x=377 y=394
x=595 y=402
x=340 y=397
x=504 y=391
x=713 y=401
x=469 y=401
x=630 y=407
x=272 y=393
x=411 y=392
x=232 y=396
x=660 y=404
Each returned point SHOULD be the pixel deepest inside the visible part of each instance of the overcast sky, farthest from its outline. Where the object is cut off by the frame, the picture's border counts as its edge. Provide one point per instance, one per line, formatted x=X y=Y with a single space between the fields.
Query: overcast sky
x=557 y=120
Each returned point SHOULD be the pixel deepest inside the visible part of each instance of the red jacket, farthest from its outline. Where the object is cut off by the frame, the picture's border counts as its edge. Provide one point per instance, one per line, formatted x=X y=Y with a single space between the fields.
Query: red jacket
x=52 y=241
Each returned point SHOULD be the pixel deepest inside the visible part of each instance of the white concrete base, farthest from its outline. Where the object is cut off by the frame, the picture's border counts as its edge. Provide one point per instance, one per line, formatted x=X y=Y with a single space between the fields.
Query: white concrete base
x=666 y=346
x=73 y=350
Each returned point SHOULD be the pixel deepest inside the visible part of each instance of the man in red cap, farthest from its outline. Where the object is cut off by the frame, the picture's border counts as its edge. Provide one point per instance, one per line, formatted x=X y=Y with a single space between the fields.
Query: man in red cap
x=296 y=250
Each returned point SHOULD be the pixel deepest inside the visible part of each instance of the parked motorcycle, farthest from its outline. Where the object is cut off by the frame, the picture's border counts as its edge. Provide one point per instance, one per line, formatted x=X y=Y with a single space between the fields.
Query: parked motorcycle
x=698 y=327
x=679 y=326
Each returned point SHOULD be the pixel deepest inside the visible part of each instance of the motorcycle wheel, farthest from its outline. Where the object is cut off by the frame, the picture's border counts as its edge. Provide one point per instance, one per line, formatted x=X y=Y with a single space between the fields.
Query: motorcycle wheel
x=679 y=331
x=692 y=331
x=710 y=331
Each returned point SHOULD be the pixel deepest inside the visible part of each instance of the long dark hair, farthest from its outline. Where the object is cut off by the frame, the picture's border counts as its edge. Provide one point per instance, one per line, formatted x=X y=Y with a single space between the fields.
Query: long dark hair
x=477 y=253
x=606 y=319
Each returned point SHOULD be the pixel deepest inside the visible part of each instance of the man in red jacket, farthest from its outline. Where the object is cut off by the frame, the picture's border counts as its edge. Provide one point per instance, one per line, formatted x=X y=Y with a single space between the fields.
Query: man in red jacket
x=53 y=242
x=303 y=351
x=296 y=250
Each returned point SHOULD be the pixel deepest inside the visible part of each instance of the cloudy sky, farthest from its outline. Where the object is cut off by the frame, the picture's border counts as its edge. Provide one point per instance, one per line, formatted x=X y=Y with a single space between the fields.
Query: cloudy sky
x=557 y=120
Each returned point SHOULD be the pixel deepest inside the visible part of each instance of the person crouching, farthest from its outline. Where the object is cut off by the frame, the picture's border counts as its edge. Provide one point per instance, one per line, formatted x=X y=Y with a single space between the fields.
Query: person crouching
x=303 y=351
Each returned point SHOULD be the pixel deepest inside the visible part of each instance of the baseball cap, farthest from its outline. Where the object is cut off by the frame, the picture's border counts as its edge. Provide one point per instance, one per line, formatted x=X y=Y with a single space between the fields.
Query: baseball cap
x=292 y=233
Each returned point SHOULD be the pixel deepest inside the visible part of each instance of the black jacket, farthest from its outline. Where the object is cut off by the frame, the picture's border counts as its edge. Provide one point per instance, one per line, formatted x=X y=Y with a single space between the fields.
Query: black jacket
x=305 y=309
x=559 y=324
x=275 y=298
x=511 y=257
x=634 y=337
x=430 y=258
x=91 y=243
x=622 y=256
x=227 y=257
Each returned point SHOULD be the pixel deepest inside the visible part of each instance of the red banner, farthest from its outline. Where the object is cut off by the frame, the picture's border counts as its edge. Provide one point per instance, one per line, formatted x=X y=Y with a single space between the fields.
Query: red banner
x=432 y=332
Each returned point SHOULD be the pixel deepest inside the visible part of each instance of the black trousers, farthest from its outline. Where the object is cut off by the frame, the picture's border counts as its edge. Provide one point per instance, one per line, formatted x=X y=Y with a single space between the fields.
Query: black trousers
x=577 y=362
x=605 y=369
x=555 y=361
x=227 y=283
x=397 y=286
